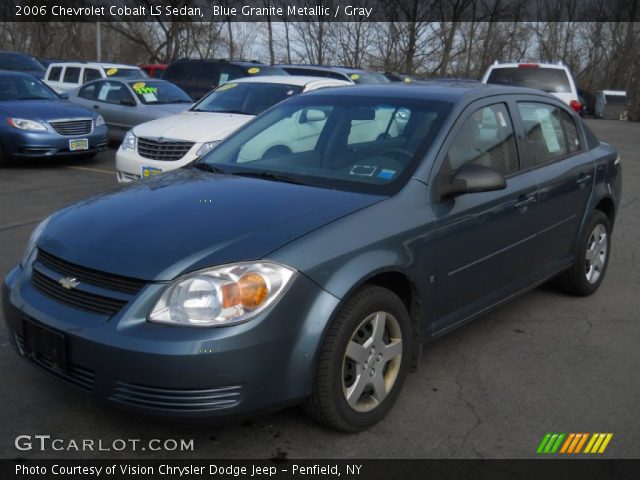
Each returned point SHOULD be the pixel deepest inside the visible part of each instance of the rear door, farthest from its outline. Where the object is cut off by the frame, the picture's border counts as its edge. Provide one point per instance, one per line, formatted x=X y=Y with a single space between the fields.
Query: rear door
x=556 y=153
x=483 y=239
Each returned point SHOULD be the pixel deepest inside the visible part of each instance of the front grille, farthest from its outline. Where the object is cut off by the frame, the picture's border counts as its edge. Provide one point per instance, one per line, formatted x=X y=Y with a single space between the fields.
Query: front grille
x=174 y=399
x=79 y=376
x=88 y=275
x=75 y=297
x=72 y=127
x=167 y=150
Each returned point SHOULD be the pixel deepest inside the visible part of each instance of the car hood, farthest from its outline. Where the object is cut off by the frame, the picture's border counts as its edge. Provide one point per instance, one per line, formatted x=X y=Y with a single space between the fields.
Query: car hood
x=43 y=109
x=193 y=126
x=189 y=219
x=167 y=109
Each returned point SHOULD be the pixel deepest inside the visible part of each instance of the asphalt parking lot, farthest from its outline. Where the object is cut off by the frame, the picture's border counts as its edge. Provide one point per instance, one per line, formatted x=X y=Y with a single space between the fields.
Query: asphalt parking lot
x=543 y=363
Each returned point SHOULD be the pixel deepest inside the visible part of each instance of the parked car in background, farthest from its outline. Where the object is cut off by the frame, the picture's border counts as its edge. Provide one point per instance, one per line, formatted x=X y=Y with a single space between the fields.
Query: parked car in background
x=198 y=77
x=21 y=62
x=611 y=104
x=354 y=75
x=246 y=283
x=63 y=77
x=126 y=103
x=35 y=122
x=154 y=70
x=553 y=78
x=172 y=142
x=399 y=77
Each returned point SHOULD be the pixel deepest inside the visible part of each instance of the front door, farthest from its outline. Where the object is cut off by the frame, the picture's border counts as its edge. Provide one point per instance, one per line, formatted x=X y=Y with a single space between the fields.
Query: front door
x=483 y=238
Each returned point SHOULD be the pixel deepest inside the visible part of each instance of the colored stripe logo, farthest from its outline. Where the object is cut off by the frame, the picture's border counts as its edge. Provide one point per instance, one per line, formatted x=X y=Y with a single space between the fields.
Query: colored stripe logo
x=572 y=443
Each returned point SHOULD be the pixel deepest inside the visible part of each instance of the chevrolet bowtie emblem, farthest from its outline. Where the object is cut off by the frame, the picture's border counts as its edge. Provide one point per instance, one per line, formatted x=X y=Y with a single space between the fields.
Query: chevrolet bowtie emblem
x=69 y=282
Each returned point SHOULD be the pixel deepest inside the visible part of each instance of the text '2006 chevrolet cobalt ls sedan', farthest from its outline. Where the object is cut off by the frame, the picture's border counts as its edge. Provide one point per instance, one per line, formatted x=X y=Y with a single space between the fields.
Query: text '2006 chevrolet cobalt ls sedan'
x=307 y=264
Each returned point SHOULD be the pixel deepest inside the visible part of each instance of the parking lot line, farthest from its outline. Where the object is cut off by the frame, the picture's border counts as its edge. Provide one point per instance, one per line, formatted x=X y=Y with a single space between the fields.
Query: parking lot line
x=98 y=170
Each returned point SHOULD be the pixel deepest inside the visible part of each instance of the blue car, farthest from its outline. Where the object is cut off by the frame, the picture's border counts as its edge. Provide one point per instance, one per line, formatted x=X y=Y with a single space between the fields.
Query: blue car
x=35 y=122
x=308 y=256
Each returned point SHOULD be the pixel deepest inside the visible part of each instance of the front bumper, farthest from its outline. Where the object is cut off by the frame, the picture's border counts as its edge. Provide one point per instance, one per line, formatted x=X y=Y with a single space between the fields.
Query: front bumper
x=131 y=166
x=24 y=144
x=179 y=371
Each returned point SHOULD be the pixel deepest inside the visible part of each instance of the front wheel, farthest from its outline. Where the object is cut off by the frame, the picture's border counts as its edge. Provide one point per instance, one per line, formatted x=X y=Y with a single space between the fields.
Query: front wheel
x=585 y=276
x=363 y=362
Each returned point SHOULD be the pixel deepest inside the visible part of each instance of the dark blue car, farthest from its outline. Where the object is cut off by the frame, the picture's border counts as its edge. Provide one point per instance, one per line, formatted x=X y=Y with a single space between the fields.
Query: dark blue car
x=307 y=257
x=21 y=62
x=35 y=122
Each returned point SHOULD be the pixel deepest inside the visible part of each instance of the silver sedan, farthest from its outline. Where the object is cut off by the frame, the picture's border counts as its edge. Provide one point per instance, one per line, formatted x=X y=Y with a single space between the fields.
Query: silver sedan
x=126 y=103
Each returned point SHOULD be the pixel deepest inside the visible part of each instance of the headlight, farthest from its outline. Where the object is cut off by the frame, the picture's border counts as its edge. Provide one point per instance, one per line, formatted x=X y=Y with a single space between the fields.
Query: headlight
x=207 y=147
x=221 y=296
x=24 y=124
x=31 y=245
x=99 y=121
x=129 y=141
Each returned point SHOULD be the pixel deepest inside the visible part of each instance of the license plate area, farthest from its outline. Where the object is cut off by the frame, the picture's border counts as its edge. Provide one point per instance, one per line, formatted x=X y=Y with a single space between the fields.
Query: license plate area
x=150 y=171
x=79 y=144
x=42 y=342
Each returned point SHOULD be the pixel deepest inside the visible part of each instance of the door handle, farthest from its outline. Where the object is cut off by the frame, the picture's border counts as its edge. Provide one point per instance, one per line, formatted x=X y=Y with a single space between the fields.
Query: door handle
x=583 y=180
x=524 y=203
x=97 y=107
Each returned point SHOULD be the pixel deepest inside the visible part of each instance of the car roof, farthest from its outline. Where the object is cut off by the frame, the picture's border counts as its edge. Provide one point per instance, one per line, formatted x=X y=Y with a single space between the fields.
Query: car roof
x=559 y=66
x=93 y=64
x=299 y=80
x=16 y=73
x=448 y=92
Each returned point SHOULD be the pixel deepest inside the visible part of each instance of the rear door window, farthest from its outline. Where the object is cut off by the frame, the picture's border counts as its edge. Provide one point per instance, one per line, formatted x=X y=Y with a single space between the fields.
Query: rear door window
x=54 y=74
x=71 y=75
x=550 y=133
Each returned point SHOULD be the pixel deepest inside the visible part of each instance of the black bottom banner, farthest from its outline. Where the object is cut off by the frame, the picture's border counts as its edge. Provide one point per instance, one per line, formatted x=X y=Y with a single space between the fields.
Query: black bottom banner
x=547 y=469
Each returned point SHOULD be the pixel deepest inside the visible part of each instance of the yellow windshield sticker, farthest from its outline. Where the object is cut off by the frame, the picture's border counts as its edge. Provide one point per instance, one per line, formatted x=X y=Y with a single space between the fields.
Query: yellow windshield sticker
x=354 y=76
x=142 y=88
x=226 y=86
x=112 y=71
x=253 y=70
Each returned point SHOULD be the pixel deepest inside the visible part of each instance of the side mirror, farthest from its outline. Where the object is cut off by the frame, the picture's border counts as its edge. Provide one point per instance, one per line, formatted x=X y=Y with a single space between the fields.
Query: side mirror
x=128 y=102
x=471 y=178
x=312 y=115
x=64 y=96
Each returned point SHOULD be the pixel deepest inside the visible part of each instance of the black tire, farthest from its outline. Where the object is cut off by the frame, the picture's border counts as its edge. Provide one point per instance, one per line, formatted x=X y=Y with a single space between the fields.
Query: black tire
x=4 y=161
x=574 y=281
x=328 y=403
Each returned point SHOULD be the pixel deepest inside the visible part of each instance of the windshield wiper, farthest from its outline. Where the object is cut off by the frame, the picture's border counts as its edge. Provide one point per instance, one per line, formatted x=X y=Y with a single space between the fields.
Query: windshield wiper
x=276 y=177
x=207 y=167
x=237 y=112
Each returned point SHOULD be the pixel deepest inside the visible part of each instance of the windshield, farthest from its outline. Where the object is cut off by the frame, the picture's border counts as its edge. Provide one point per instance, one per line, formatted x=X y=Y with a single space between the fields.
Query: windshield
x=156 y=92
x=19 y=63
x=366 y=78
x=350 y=143
x=553 y=80
x=246 y=98
x=22 y=88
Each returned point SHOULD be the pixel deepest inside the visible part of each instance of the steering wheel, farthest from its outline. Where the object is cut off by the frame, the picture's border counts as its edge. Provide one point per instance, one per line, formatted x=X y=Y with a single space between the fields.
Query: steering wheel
x=402 y=151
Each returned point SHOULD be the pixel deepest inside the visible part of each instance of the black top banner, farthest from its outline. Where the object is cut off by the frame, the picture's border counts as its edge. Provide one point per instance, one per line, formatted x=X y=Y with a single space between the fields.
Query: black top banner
x=320 y=10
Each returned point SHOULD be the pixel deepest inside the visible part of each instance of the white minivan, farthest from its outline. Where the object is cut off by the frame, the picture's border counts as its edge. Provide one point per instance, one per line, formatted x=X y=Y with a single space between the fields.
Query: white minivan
x=66 y=76
x=172 y=142
x=553 y=78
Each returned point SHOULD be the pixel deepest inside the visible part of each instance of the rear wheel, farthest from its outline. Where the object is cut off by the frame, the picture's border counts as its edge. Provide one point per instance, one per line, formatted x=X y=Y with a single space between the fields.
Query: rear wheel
x=363 y=362
x=585 y=276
